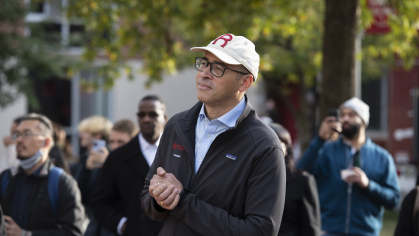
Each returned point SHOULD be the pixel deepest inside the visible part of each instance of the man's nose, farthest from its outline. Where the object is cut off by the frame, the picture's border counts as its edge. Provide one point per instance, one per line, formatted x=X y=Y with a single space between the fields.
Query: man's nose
x=206 y=73
x=19 y=138
x=344 y=118
x=146 y=118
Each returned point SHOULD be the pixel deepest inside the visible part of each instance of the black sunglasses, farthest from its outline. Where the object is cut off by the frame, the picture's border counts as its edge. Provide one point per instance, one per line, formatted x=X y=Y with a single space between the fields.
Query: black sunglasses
x=150 y=114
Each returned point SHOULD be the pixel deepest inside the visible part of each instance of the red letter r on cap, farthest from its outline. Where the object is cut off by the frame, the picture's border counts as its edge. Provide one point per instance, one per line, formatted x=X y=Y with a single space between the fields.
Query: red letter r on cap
x=225 y=39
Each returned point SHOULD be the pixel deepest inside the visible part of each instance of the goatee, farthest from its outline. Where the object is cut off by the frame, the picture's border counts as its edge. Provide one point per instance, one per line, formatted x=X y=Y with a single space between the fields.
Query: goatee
x=352 y=131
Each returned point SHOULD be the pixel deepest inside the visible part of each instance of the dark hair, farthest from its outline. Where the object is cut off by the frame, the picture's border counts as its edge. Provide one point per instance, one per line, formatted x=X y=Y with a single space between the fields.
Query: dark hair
x=45 y=124
x=243 y=69
x=285 y=137
x=18 y=119
x=58 y=129
x=154 y=98
x=126 y=126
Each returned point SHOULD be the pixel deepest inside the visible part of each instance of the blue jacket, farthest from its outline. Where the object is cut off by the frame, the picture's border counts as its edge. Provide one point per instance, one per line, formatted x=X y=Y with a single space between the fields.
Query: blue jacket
x=348 y=208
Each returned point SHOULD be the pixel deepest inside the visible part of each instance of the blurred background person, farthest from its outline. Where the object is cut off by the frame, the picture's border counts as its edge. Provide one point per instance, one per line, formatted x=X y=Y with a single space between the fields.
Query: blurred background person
x=56 y=154
x=302 y=208
x=69 y=155
x=37 y=197
x=122 y=132
x=408 y=223
x=356 y=178
x=91 y=130
x=8 y=159
x=116 y=202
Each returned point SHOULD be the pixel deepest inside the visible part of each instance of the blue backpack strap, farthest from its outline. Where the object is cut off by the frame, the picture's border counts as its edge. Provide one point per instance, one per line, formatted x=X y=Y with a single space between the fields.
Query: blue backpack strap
x=53 y=188
x=5 y=182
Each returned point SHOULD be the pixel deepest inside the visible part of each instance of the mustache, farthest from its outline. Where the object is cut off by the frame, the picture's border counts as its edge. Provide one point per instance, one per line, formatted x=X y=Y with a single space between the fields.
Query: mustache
x=347 y=123
x=204 y=83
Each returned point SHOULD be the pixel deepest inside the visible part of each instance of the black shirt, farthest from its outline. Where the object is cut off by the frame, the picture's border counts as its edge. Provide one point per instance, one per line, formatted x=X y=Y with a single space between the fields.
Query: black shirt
x=21 y=197
x=39 y=217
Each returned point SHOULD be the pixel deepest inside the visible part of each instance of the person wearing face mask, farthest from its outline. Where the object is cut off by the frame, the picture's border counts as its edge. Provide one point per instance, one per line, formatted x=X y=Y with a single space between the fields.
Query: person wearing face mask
x=37 y=197
x=356 y=178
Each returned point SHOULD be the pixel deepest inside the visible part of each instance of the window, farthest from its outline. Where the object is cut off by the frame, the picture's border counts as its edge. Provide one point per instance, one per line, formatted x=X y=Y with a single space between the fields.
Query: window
x=375 y=94
x=54 y=98
x=94 y=103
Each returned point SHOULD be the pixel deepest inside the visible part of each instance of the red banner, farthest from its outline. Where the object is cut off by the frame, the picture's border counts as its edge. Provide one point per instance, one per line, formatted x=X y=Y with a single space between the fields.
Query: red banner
x=380 y=12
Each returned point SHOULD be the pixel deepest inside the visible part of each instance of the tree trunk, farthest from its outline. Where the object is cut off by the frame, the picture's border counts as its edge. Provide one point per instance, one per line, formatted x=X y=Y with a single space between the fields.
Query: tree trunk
x=340 y=26
x=303 y=115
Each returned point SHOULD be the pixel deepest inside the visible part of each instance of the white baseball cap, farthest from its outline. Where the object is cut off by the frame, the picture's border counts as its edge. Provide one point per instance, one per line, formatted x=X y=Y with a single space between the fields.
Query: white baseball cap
x=234 y=50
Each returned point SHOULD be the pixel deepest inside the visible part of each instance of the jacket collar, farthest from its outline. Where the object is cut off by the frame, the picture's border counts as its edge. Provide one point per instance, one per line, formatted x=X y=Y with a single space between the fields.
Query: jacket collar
x=136 y=159
x=229 y=119
x=365 y=150
x=367 y=143
x=190 y=119
x=185 y=127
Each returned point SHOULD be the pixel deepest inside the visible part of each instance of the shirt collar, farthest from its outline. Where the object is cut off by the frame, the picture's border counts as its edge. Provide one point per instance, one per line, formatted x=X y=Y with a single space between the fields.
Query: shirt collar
x=230 y=118
x=146 y=144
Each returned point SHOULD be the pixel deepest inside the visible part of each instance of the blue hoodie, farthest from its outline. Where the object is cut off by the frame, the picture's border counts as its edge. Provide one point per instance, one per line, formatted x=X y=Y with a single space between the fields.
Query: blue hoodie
x=346 y=208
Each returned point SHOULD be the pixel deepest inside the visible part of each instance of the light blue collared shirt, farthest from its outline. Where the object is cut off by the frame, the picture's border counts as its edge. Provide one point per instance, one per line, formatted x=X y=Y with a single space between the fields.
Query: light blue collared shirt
x=206 y=131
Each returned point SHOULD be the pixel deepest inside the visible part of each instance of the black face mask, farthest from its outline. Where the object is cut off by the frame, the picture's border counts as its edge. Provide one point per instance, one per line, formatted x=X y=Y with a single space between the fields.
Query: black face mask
x=352 y=131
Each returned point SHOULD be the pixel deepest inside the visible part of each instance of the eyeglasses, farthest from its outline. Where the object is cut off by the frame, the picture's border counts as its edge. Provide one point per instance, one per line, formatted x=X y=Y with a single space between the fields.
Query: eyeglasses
x=216 y=69
x=24 y=135
x=150 y=114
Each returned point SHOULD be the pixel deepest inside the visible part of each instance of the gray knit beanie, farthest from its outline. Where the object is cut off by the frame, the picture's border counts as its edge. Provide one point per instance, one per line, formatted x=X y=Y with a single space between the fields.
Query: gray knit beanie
x=360 y=107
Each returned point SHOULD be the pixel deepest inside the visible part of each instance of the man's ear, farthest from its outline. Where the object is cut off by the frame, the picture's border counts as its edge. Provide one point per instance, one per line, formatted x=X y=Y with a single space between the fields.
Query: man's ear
x=47 y=142
x=246 y=82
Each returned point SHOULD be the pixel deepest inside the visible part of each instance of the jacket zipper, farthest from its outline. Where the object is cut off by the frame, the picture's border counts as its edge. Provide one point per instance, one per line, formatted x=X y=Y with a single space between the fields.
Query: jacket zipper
x=194 y=175
x=348 y=208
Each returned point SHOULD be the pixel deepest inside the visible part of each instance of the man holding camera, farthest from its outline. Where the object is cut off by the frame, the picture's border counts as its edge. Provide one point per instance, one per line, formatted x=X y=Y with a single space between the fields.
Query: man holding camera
x=356 y=178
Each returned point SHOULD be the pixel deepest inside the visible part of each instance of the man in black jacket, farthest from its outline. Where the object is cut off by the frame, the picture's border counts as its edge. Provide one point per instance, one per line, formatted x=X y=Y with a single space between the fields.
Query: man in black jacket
x=219 y=169
x=34 y=201
x=115 y=203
